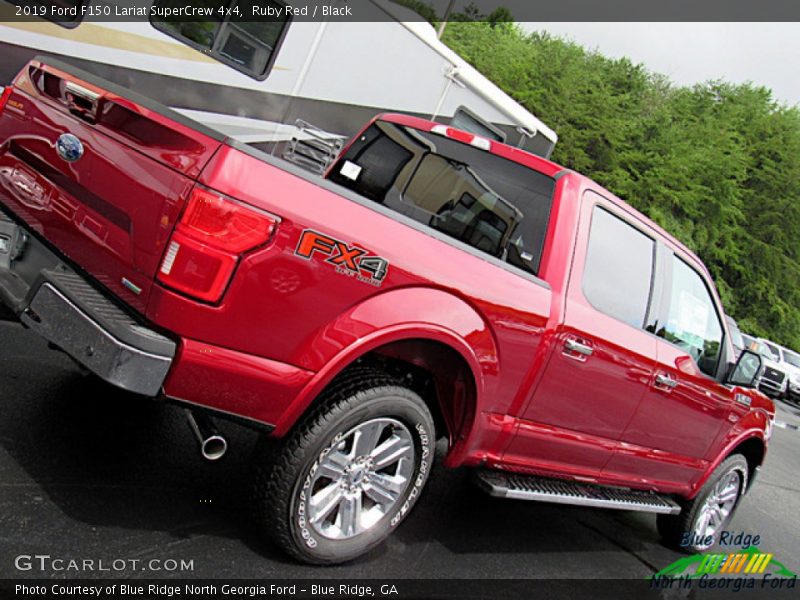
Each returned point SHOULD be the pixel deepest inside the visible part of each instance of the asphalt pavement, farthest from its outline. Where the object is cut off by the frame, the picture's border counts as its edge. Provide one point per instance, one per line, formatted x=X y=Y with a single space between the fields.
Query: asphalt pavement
x=89 y=472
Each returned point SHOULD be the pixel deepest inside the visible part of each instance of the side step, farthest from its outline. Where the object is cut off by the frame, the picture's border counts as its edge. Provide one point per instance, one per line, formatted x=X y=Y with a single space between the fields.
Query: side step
x=528 y=487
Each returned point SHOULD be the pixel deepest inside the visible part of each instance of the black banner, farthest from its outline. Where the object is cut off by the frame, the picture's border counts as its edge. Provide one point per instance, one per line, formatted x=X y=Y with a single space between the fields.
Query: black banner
x=330 y=589
x=75 y=11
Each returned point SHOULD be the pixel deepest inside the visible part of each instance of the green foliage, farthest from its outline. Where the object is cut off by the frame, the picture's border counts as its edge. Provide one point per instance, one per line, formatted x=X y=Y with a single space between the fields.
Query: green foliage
x=716 y=164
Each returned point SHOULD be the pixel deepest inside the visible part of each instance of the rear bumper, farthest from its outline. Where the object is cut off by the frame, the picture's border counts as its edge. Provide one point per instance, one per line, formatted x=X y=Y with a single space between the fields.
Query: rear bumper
x=57 y=303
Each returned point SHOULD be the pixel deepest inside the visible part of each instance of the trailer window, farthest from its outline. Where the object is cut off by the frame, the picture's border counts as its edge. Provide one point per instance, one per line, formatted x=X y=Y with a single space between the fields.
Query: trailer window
x=67 y=13
x=492 y=204
x=466 y=120
x=228 y=32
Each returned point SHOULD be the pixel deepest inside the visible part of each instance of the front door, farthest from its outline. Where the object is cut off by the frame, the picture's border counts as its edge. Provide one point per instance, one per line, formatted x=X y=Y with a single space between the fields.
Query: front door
x=685 y=405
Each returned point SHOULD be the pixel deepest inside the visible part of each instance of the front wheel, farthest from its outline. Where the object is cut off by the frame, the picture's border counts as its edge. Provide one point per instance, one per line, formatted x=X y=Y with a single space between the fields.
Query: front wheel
x=341 y=482
x=703 y=518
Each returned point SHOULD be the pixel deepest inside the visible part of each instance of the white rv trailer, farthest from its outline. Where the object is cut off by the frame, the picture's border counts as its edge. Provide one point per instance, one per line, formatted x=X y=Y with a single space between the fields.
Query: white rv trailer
x=259 y=83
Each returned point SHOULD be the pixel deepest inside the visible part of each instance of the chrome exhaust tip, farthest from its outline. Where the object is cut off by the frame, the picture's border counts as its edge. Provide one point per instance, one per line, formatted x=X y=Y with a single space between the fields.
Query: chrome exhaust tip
x=213 y=445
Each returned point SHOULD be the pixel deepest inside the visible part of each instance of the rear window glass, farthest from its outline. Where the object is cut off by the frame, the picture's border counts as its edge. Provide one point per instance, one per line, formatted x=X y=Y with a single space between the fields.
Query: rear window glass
x=229 y=32
x=492 y=204
x=67 y=13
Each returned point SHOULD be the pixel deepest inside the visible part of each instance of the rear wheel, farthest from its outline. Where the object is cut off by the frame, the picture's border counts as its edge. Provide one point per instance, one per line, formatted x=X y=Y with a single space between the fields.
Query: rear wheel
x=341 y=482
x=703 y=518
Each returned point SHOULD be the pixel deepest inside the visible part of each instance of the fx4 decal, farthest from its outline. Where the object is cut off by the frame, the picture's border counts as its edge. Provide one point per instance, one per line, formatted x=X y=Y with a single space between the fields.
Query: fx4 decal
x=348 y=260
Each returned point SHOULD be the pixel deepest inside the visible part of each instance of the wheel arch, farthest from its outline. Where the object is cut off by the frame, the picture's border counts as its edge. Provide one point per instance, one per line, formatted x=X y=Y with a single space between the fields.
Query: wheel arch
x=435 y=362
x=751 y=444
x=753 y=449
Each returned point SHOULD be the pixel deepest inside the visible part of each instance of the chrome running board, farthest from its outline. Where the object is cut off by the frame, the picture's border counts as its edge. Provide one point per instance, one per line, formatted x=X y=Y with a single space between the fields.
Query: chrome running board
x=528 y=487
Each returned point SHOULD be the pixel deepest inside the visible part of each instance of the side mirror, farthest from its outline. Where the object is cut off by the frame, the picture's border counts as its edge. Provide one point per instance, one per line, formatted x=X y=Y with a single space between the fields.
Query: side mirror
x=747 y=370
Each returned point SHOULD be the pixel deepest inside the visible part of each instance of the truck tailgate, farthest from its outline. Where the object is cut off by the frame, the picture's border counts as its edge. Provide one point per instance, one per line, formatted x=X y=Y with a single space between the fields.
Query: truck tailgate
x=99 y=171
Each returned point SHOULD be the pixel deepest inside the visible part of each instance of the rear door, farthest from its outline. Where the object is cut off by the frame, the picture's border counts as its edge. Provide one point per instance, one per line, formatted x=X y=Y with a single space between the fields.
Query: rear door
x=603 y=358
x=99 y=171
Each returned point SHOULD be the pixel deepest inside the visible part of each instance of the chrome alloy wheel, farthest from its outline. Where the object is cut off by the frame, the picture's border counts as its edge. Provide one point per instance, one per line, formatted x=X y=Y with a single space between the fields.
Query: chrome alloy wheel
x=718 y=506
x=361 y=479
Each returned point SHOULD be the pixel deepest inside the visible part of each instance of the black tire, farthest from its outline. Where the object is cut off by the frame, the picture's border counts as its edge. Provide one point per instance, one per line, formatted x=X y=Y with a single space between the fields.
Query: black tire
x=284 y=473
x=679 y=531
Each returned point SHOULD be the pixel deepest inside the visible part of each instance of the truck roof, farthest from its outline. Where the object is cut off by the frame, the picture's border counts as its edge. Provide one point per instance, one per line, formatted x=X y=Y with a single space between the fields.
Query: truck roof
x=551 y=169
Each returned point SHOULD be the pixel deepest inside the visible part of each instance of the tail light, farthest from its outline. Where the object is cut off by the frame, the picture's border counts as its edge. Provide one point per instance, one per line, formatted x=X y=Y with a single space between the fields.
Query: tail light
x=211 y=236
x=5 y=96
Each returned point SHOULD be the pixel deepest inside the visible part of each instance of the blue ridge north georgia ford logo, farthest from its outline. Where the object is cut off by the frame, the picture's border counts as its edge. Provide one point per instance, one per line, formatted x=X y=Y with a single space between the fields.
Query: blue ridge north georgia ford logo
x=69 y=147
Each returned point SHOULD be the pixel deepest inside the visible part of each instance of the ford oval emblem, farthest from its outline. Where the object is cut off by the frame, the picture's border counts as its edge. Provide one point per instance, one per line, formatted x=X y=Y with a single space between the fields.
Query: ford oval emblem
x=69 y=147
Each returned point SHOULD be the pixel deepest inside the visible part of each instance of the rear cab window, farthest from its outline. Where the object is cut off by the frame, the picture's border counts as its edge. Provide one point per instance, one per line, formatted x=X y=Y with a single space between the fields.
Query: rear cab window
x=229 y=33
x=496 y=206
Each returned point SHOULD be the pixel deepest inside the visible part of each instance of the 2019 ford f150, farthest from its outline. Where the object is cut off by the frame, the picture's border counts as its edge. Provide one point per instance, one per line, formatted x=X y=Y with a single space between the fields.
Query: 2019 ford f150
x=433 y=284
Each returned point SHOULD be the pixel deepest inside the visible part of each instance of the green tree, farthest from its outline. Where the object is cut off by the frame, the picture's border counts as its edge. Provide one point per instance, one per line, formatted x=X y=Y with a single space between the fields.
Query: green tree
x=716 y=164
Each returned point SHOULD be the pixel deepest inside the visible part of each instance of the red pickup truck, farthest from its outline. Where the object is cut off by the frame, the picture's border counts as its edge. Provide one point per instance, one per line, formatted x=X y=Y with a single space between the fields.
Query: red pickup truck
x=433 y=285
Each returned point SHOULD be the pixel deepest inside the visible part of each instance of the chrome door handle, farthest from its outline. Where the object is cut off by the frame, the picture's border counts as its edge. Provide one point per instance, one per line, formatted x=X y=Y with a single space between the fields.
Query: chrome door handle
x=666 y=381
x=578 y=348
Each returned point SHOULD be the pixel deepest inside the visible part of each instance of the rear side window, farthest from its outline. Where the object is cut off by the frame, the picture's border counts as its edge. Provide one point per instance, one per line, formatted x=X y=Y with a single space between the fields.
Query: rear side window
x=618 y=273
x=492 y=204
x=692 y=321
x=228 y=32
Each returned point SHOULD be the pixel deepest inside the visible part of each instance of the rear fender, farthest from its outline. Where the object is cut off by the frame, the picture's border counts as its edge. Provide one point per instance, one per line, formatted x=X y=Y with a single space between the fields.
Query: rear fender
x=404 y=314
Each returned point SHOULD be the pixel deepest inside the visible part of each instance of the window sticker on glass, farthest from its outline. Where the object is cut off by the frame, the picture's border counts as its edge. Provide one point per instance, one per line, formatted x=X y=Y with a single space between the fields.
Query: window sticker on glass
x=350 y=170
x=692 y=316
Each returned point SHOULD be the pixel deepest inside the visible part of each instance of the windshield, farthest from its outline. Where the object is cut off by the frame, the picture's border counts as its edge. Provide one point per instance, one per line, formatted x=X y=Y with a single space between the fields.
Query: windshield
x=791 y=358
x=762 y=350
x=773 y=351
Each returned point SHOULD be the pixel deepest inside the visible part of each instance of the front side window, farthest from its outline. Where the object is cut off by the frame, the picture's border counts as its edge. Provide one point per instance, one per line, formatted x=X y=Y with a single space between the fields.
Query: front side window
x=227 y=32
x=495 y=205
x=692 y=321
x=618 y=273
